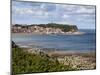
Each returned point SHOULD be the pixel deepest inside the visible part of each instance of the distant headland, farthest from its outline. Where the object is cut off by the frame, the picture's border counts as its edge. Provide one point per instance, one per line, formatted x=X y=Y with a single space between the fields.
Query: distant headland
x=50 y=28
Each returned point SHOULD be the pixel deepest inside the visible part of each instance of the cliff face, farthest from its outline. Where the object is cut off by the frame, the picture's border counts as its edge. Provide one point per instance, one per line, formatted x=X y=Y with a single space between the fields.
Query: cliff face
x=44 y=28
x=73 y=28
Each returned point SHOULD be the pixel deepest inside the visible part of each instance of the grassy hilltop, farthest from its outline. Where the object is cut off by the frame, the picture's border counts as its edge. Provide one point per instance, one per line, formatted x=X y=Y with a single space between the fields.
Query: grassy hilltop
x=64 y=27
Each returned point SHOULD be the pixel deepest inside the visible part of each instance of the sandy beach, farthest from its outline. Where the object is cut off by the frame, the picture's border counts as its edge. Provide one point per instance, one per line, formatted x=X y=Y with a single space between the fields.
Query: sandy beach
x=69 y=53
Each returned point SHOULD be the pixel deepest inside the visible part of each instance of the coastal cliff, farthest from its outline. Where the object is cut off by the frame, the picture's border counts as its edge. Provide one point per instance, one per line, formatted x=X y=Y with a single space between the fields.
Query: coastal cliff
x=50 y=28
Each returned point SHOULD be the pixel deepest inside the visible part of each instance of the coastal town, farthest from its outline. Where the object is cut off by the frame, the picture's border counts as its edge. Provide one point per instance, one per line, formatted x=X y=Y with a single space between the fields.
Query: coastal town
x=43 y=29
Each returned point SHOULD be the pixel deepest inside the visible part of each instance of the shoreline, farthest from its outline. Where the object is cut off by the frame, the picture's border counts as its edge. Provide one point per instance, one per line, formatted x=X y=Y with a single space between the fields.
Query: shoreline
x=41 y=33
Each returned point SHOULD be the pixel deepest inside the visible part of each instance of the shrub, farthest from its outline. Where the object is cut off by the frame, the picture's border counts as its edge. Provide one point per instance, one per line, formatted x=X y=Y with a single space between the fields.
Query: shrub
x=23 y=62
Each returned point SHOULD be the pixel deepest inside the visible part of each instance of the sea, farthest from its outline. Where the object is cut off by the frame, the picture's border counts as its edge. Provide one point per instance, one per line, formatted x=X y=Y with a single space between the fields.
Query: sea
x=81 y=42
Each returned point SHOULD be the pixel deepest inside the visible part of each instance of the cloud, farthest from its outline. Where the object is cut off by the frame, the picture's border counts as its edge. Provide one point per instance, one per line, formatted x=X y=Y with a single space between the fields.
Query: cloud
x=65 y=16
x=24 y=11
x=48 y=12
x=85 y=10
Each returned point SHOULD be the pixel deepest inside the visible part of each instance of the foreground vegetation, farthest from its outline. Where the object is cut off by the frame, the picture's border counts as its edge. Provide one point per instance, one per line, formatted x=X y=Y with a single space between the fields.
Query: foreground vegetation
x=24 y=62
x=36 y=61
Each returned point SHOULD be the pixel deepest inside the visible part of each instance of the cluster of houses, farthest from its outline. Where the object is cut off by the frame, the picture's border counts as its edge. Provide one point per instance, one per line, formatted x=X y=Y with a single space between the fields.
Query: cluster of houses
x=37 y=29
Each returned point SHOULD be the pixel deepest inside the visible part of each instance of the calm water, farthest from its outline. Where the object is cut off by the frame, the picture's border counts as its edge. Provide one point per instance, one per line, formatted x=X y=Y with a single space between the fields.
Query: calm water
x=84 y=42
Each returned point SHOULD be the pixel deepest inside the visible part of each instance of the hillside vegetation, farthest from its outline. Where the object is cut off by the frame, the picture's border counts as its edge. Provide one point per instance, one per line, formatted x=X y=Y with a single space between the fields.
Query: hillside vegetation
x=64 y=28
x=24 y=62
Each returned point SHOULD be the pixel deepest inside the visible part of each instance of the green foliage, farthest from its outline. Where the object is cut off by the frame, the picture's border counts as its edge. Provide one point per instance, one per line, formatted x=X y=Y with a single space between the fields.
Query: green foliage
x=64 y=28
x=23 y=62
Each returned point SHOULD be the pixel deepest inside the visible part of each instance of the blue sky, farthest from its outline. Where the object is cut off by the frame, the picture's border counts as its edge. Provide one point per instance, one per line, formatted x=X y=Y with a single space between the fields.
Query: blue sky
x=40 y=13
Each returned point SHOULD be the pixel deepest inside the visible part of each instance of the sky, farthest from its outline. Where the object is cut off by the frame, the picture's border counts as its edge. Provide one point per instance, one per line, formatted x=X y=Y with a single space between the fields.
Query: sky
x=42 y=13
